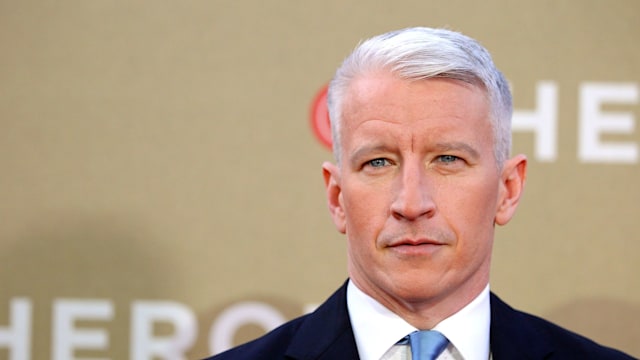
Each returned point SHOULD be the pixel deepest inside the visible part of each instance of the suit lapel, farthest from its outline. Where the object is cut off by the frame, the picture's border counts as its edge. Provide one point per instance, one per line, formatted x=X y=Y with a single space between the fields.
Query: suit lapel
x=512 y=336
x=326 y=333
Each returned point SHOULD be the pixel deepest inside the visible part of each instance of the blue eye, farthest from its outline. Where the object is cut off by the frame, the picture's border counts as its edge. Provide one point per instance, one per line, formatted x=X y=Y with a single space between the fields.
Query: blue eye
x=378 y=162
x=448 y=158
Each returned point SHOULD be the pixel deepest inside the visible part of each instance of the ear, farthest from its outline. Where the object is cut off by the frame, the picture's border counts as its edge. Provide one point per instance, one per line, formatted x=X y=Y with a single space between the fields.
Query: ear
x=512 y=180
x=331 y=174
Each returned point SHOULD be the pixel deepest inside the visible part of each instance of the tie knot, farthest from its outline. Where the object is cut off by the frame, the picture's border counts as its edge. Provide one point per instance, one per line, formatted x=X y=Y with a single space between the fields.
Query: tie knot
x=427 y=344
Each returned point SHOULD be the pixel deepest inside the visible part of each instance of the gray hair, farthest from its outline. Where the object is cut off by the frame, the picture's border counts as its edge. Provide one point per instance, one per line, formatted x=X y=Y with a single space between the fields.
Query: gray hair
x=423 y=53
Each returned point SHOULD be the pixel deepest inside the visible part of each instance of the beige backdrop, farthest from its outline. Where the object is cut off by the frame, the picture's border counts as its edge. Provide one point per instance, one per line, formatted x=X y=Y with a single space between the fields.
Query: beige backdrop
x=158 y=169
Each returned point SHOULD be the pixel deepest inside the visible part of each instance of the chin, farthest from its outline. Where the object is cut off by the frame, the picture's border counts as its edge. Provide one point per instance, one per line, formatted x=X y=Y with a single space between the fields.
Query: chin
x=412 y=289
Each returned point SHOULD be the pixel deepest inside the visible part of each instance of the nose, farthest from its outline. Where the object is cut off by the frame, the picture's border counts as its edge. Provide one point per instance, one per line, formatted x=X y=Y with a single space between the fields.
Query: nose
x=413 y=194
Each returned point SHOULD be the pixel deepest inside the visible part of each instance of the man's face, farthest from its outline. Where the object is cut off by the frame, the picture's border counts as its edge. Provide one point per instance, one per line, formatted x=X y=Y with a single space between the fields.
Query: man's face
x=418 y=190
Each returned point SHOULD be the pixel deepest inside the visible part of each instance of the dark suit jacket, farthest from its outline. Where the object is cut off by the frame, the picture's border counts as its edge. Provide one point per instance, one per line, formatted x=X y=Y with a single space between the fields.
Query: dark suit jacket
x=326 y=334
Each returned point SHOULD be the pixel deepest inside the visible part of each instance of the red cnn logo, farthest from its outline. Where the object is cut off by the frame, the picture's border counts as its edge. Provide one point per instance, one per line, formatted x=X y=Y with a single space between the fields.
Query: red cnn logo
x=320 y=118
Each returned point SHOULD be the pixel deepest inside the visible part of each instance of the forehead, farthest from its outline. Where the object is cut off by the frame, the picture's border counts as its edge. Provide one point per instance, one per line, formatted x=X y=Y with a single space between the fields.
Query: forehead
x=437 y=106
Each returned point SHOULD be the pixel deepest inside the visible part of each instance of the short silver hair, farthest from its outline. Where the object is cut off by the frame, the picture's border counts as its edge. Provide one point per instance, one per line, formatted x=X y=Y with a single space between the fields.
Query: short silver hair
x=422 y=53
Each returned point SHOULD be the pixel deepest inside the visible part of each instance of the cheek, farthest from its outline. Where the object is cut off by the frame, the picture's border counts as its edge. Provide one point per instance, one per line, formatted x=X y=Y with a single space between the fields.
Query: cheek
x=472 y=214
x=472 y=223
x=365 y=213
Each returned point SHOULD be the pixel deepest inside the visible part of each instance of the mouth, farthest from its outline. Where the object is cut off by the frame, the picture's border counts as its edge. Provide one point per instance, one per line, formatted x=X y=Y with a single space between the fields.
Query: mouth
x=416 y=247
x=415 y=242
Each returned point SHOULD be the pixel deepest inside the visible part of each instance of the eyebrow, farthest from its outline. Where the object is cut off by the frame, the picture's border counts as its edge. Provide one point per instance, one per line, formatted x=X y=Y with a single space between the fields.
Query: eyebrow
x=457 y=146
x=354 y=158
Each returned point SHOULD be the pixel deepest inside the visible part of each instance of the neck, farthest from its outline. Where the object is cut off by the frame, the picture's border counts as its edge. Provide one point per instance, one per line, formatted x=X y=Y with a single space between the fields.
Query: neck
x=425 y=314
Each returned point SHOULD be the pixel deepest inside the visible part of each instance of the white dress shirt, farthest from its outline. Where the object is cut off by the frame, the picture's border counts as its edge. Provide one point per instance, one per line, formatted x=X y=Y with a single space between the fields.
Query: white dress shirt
x=377 y=329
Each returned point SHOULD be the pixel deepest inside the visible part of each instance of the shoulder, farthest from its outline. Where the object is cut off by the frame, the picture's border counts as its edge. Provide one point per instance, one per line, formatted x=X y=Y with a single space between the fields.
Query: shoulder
x=325 y=333
x=512 y=328
x=273 y=345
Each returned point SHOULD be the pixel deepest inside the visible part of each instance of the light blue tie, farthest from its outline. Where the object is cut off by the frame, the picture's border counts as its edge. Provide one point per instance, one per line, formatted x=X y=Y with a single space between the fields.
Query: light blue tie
x=427 y=344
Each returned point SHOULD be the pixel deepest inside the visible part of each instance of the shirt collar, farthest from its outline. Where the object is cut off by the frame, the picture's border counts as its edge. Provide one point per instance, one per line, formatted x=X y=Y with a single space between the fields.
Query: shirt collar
x=377 y=328
x=468 y=329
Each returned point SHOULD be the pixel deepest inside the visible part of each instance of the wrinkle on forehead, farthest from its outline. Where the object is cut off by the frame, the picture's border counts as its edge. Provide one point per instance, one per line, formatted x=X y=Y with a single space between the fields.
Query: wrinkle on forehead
x=415 y=116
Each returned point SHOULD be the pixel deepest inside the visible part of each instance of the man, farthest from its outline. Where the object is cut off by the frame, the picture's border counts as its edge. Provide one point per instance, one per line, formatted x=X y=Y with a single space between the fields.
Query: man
x=421 y=130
